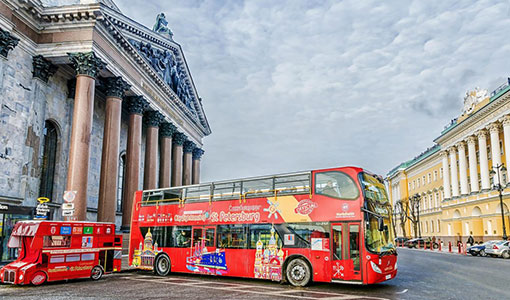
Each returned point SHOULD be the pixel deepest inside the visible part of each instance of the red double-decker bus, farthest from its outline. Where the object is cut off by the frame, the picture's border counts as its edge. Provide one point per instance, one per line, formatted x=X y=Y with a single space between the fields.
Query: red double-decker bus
x=331 y=225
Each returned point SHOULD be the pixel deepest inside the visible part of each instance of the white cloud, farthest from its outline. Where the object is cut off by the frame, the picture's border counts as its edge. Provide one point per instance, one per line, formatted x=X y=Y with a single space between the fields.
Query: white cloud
x=293 y=85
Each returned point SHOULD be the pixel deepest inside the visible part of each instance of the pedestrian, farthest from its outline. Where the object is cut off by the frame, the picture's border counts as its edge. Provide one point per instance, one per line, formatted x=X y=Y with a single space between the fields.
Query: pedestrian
x=470 y=241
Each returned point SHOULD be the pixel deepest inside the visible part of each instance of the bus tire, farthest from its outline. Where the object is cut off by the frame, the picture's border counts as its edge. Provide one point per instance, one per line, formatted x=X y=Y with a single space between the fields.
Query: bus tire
x=96 y=273
x=38 y=278
x=298 y=272
x=162 y=265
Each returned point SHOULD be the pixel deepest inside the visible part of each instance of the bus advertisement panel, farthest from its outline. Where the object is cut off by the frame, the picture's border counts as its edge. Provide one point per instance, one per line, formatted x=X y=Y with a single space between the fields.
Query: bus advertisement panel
x=328 y=225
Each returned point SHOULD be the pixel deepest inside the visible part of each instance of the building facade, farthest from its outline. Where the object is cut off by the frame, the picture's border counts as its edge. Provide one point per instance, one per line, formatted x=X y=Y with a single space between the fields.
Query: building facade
x=94 y=103
x=452 y=190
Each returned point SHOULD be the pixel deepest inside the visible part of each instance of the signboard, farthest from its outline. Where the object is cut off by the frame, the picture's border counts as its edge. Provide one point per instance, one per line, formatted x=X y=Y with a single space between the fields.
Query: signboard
x=77 y=230
x=69 y=196
x=42 y=209
x=88 y=230
x=67 y=206
x=65 y=230
x=67 y=213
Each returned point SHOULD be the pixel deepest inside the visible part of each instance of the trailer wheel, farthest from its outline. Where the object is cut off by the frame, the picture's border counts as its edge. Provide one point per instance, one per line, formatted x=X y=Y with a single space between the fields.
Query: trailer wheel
x=38 y=278
x=162 y=265
x=298 y=272
x=96 y=273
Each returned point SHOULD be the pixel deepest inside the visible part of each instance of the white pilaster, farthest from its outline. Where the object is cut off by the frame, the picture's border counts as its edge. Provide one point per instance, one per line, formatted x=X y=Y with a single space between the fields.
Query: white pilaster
x=454 y=171
x=473 y=165
x=446 y=176
x=506 y=138
x=464 y=189
x=484 y=161
x=495 y=149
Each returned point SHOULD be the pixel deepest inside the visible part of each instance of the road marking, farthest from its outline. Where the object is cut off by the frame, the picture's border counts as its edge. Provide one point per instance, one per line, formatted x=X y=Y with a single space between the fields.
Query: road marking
x=296 y=293
x=402 y=292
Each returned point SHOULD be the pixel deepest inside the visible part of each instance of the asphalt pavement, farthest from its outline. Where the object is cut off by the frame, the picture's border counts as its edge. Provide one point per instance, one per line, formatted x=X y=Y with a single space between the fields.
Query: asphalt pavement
x=422 y=275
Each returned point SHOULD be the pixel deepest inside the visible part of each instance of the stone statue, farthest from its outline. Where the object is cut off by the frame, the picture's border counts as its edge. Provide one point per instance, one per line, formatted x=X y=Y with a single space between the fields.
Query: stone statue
x=472 y=98
x=161 y=26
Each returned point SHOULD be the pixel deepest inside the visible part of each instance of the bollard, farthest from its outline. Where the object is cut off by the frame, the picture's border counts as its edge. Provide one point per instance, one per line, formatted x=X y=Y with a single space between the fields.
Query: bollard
x=431 y=245
x=450 y=247
x=459 y=246
x=439 y=244
x=464 y=248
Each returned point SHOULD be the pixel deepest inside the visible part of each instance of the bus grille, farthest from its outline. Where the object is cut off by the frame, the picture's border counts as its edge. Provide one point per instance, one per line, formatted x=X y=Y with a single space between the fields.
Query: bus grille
x=9 y=276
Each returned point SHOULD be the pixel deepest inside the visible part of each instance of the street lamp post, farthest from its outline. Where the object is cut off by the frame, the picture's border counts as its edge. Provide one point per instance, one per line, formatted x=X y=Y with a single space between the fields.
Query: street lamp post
x=499 y=187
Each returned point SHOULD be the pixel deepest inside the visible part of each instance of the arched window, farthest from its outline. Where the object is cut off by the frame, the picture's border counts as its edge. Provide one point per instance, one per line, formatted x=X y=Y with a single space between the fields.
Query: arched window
x=456 y=214
x=48 y=160
x=476 y=211
x=120 y=181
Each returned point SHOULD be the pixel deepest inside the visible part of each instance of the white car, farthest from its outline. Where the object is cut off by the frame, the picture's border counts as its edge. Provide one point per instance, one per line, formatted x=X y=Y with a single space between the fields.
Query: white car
x=499 y=249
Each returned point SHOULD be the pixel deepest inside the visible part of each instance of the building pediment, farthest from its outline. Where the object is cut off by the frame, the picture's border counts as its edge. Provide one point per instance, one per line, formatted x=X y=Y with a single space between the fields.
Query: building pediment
x=162 y=59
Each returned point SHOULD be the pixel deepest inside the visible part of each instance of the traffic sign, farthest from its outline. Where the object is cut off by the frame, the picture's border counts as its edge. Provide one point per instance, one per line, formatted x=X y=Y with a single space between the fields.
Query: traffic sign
x=67 y=206
x=68 y=213
x=69 y=196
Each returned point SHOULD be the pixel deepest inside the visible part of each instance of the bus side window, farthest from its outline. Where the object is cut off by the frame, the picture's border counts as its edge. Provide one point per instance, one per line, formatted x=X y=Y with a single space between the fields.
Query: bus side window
x=232 y=236
x=263 y=232
x=181 y=236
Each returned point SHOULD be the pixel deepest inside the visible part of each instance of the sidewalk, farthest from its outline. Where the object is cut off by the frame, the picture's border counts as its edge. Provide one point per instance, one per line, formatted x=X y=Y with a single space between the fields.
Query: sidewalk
x=445 y=250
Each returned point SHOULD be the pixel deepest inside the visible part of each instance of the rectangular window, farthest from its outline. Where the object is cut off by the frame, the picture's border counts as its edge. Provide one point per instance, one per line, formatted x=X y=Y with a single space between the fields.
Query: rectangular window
x=435 y=175
x=263 y=233
x=161 y=235
x=337 y=242
x=441 y=172
x=72 y=257
x=57 y=259
x=230 y=190
x=354 y=246
x=336 y=184
x=429 y=178
x=181 y=236
x=233 y=236
x=87 y=256
x=200 y=193
x=303 y=233
x=293 y=184
x=423 y=179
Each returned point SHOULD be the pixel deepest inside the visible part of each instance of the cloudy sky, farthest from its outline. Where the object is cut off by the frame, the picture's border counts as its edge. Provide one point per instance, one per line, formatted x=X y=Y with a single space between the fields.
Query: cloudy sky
x=301 y=84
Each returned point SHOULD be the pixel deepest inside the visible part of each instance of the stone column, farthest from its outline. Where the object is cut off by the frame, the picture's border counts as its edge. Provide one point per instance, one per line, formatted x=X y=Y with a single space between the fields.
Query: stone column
x=166 y=131
x=135 y=105
x=189 y=146
x=446 y=176
x=495 y=149
x=197 y=154
x=464 y=188
x=152 y=119
x=473 y=165
x=177 y=141
x=106 y=208
x=454 y=172
x=87 y=65
x=7 y=43
x=506 y=139
x=484 y=161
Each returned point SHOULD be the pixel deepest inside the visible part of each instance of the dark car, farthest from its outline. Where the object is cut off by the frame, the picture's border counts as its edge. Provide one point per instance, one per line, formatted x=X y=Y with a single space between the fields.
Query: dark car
x=400 y=240
x=480 y=249
x=420 y=242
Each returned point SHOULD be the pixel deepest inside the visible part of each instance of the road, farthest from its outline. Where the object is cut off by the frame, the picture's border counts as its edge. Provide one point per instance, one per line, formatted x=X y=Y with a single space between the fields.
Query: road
x=422 y=275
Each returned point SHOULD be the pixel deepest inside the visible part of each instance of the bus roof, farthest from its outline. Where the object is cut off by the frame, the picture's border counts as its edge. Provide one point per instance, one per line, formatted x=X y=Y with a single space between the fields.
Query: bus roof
x=29 y=227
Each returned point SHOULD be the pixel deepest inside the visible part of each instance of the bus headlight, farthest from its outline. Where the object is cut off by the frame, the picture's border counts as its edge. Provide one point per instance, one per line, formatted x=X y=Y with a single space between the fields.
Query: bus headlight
x=396 y=265
x=21 y=277
x=375 y=267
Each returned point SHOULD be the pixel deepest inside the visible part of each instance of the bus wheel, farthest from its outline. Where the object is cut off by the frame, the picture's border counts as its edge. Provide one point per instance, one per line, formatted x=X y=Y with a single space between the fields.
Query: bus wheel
x=162 y=265
x=38 y=278
x=298 y=272
x=96 y=273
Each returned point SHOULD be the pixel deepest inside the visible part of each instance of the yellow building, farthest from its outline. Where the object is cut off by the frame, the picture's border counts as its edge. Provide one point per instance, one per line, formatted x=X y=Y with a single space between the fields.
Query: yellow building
x=455 y=181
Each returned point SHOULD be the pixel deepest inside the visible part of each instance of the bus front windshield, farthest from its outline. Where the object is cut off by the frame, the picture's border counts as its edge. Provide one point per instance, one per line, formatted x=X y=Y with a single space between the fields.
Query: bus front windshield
x=378 y=231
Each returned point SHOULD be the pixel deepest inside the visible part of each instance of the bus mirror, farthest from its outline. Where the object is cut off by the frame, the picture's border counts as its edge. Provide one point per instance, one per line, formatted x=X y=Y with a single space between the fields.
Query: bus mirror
x=380 y=223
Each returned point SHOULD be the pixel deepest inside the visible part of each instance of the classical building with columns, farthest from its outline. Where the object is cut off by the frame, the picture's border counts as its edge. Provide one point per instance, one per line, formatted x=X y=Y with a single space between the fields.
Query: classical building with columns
x=450 y=191
x=94 y=103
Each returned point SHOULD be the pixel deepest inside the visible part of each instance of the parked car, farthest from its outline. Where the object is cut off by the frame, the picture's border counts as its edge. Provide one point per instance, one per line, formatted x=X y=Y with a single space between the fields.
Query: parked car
x=420 y=242
x=499 y=249
x=480 y=249
x=400 y=240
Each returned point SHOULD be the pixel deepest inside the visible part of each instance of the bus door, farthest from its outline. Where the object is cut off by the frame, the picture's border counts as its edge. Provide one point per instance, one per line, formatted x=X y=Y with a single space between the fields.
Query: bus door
x=345 y=252
x=203 y=239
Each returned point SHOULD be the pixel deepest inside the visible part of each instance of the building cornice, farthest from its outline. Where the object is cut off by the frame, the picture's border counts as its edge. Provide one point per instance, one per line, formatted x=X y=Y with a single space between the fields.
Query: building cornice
x=491 y=112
